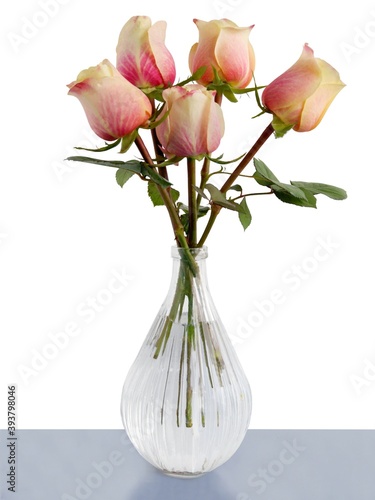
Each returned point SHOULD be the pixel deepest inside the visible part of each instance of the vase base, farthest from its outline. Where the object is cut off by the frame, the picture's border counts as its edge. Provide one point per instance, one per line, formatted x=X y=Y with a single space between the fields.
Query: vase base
x=183 y=475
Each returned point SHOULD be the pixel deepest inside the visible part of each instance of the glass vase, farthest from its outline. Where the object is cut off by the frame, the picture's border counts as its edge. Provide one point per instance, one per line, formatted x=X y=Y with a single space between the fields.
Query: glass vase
x=186 y=402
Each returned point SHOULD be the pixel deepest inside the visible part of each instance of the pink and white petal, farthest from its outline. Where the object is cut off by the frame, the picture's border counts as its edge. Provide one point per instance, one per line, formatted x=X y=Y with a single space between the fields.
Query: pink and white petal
x=295 y=85
x=216 y=127
x=163 y=58
x=235 y=56
x=187 y=118
x=149 y=74
x=205 y=53
x=317 y=105
x=170 y=95
x=133 y=37
x=192 y=53
x=88 y=97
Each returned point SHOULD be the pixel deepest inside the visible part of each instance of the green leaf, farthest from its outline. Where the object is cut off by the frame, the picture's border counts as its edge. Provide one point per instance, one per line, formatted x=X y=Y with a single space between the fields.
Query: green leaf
x=185 y=222
x=218 y=198
x=122 y=176
x=286 y=197
x=171 y=161
x=156 y=197
x=228 y=93
x=264 y=176
x=156 y=123
x=197 y=75
x=127 y=141
x=236 y=187
x=132 y=165
x=245 y=216
x=222 y=162
x=154 y=93
x=293 y=190
x=245 y=91
x=200 y=192
x=154 y=194
x=150 y=172
x=104 y=148
x=280 y=127
x=333 y=192
x=202 y=211
x=175 y=195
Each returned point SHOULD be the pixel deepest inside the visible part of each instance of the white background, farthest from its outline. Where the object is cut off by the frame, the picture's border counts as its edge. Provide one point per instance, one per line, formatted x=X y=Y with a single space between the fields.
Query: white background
x=65 y=229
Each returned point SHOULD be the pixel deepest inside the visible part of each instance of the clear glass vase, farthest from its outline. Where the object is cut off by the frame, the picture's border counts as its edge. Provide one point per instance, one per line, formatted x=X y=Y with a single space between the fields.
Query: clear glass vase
x=186 y=402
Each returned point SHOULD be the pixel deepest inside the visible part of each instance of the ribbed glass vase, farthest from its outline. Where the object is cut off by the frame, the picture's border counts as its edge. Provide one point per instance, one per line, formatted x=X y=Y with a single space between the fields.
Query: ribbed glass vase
x=186 y=402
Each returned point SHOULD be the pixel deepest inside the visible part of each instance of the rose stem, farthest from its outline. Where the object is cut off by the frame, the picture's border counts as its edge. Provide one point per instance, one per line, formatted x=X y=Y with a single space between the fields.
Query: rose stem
x=215 y=210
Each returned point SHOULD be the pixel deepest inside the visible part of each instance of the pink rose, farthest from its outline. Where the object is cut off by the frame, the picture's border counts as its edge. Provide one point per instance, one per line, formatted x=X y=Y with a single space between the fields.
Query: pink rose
x=142 y=57
x=113 y=106
x=301 y=96
x=226 y=47
x=195 y=123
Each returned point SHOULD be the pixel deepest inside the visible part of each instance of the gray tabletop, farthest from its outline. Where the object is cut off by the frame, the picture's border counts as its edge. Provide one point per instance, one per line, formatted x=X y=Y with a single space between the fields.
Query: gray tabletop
x=270 y=465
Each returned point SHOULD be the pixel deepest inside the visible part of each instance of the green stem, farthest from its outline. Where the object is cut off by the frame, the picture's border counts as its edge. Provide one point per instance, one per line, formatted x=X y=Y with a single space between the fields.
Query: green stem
x=160 y=158
x=193 y=212
x=267 y=132
x=168 y=202
x=190 y=342
x=177 y=303
x=205 y=175
x=215 y=210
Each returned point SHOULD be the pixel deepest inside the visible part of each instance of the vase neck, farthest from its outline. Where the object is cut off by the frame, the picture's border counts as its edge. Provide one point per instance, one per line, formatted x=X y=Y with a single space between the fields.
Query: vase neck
x=199 y=254
x=181 y=266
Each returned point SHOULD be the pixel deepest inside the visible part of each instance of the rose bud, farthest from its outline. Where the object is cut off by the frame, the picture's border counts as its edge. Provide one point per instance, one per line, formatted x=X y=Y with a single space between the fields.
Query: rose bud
x=142 y=57
x=301 y=96
x=113 y=106
x=226 y=47
x=194 y=125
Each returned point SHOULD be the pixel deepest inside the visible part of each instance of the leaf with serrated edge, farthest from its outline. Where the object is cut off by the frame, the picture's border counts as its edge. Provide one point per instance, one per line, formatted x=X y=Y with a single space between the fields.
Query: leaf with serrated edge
x=293 y=190
x=245 y=216
x=219 y=199
x=264 y=171
x=122 y=176
x=132 y=165
x=236 y=187
x=293 y=200
x=333 y=192
x=200 y=192
x=156 y=197
x=154 y=176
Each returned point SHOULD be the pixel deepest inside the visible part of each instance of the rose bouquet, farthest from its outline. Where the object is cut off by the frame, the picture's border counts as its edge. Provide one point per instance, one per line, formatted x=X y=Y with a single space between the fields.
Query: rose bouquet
x=184 y=122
